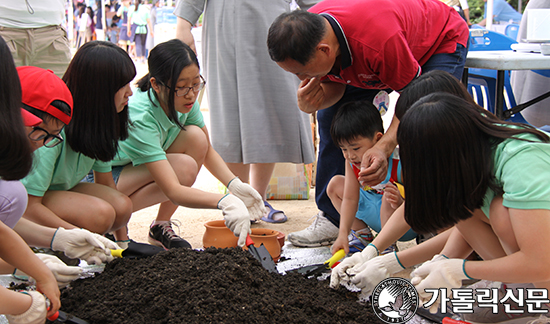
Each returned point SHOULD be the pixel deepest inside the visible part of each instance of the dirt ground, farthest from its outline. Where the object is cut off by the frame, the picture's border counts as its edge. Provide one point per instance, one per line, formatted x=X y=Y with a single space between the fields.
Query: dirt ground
x=299 y=213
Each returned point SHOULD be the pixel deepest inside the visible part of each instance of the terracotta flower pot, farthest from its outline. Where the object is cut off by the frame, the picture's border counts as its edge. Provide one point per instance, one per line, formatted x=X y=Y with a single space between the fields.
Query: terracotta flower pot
x=269 y=239
x=281 y=238
x=218 y=235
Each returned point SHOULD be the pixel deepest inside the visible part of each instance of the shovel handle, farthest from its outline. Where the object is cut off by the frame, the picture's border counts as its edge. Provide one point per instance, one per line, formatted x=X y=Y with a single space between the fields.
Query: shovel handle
x=54 y=316
x=336 y=257
x=249 y=241
x=117 y=253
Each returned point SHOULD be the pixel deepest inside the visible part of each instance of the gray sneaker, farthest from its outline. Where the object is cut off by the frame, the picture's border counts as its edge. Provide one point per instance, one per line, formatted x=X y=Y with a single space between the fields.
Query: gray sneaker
x=321 y=232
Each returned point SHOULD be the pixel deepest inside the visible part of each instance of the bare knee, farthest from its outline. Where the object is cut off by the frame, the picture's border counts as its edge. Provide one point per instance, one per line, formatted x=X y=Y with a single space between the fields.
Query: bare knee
x=199 y=143
x=185 y=167
x=335 y=188
x=102 y=219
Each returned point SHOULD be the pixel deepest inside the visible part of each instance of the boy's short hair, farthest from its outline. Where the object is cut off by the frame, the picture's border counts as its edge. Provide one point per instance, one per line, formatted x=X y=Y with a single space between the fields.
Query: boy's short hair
x=356 y=119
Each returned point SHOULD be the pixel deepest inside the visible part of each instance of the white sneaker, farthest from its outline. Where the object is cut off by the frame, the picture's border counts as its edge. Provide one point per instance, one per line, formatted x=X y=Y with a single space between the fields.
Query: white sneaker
x=320 y=232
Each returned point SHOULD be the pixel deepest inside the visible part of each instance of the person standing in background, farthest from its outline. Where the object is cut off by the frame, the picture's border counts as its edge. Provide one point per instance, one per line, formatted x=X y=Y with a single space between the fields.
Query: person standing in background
x=140 y=19
x=254 y=118
x=35 y=33
x=123 y=36
x=529 y=84
x=461 y=6
x=150 y=42
x=503 y=13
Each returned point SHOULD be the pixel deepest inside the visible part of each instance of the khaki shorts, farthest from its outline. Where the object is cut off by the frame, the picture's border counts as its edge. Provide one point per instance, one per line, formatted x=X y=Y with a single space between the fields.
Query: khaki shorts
x=46 y=47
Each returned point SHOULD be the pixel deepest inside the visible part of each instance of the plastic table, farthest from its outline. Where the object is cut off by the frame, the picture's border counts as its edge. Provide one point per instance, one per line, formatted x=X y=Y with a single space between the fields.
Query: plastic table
x=504 y=61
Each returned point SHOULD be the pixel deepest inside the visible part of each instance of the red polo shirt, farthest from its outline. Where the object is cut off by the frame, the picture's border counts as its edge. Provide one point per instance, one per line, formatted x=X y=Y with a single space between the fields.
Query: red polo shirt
x=385 y=42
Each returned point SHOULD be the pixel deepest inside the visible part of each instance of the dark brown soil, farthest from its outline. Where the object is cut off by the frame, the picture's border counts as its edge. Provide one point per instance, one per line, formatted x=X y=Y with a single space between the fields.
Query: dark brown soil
x=211 y=286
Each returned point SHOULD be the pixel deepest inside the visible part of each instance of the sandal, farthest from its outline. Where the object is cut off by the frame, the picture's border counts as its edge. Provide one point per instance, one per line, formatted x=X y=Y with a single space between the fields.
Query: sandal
x=269 y=217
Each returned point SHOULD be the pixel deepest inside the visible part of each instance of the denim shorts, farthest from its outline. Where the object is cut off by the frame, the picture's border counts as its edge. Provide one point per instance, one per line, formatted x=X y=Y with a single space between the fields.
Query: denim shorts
x=368 y=211
x=115 y=171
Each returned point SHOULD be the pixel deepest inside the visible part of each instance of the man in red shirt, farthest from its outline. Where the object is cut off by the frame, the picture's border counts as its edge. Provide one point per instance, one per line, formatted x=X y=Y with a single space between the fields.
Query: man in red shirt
x=350 y=50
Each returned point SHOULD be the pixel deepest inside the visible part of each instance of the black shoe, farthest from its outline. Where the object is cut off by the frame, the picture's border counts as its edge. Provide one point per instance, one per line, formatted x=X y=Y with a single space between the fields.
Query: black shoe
x=110 y=236
x=164 y=236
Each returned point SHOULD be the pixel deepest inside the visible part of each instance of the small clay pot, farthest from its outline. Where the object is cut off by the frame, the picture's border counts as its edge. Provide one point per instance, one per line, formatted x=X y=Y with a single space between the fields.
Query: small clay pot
x=269 y=239
x=218 y=235
x=281 y=238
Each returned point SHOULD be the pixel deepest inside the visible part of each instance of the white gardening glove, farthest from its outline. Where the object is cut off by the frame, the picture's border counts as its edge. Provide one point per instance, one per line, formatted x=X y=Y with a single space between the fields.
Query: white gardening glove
x=251 y=198
x=63 y=273
x=440 y=272
x=36 y=314
x=372 y=272
x=340 y=272
x=83 y=244
x=236 y=216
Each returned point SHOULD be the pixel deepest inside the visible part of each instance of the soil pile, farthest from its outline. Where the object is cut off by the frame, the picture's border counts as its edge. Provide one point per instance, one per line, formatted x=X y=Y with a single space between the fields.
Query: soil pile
x=210 y=286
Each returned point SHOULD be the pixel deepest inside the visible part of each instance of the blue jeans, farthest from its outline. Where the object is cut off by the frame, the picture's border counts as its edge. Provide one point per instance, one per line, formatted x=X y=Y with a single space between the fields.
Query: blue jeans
x=116 y=170
x=330 y=161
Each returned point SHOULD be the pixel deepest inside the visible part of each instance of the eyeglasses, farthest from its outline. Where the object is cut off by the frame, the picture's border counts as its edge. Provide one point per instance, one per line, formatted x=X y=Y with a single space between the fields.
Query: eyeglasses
x=180 y=92
x=40 y=134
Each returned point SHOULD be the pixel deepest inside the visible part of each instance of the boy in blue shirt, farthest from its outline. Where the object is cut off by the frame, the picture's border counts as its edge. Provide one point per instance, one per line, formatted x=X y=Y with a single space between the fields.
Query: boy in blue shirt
x=356 y=127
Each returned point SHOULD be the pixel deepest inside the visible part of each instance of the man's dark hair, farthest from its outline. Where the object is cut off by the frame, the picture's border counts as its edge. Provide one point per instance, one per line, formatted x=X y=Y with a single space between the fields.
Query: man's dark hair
x=295 y=35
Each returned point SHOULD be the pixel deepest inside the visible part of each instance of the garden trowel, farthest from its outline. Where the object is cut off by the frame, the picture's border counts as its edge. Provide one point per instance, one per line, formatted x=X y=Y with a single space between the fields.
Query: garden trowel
x=261 y=254
x=62 y=317
x=136 y=250
x=317 y=270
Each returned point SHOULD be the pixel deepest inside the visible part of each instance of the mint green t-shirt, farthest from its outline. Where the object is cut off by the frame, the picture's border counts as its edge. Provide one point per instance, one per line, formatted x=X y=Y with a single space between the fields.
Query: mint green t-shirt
x=522 y=169
x=59 y=168
x=151 y=132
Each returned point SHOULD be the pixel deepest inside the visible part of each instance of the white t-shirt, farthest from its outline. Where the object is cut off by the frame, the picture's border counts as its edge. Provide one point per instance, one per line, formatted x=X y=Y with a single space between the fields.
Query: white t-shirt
x=83 y=22
x=38 y=13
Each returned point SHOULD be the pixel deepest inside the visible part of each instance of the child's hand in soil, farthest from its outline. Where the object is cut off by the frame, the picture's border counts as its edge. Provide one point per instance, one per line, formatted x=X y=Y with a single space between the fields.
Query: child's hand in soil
x=368 y=275
x=83 y=244
x=63 y=273
x=340 y=273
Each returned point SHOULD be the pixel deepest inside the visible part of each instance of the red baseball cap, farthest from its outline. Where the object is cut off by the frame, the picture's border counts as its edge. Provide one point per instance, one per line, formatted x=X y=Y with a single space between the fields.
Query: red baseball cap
x=40 y=87
x=29 y=119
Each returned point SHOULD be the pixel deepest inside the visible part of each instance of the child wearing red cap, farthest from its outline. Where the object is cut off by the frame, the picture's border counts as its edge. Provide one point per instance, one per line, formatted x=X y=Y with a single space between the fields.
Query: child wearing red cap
x=98 y=78
x=15 y=163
